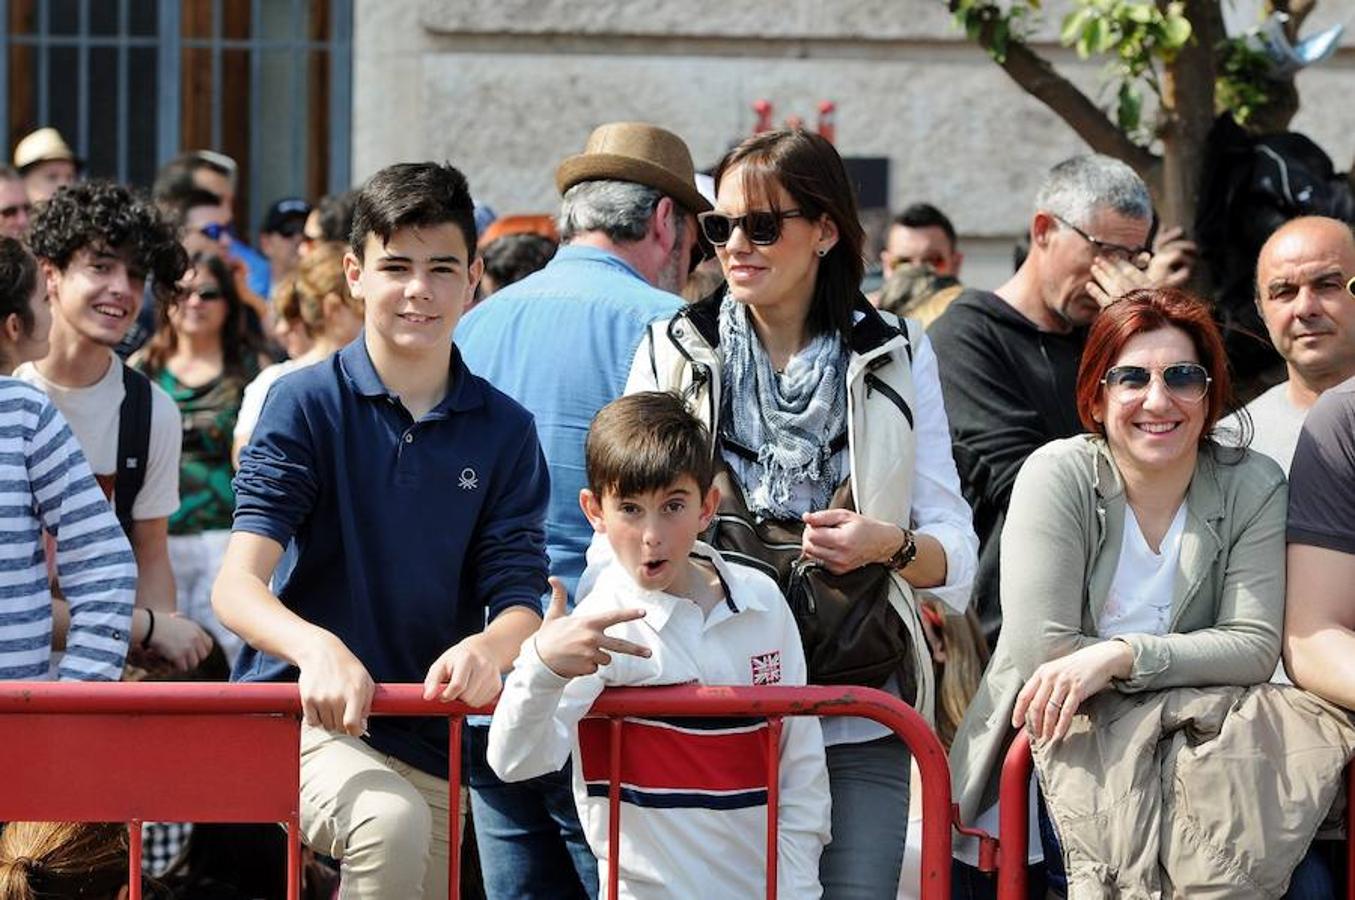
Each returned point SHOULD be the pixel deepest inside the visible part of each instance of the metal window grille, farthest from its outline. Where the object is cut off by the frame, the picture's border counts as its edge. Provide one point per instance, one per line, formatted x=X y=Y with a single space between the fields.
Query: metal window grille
x=114 y=71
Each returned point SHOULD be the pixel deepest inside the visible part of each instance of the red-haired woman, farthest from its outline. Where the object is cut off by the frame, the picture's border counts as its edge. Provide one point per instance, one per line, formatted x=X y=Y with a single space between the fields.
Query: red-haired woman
x=1138 y=557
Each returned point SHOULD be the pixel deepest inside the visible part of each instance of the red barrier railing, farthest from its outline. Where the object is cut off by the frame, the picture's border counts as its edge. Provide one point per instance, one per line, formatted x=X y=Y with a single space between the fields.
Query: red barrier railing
x=231 y=753
x=1014 y=822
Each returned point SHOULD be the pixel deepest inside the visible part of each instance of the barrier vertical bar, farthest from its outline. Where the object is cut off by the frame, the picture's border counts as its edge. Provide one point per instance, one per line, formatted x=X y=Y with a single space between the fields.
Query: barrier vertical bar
x=614 y=812
x=454 y=807
x=1014 y=819
x=774 y=726
x=294 y=857
x=134 y=859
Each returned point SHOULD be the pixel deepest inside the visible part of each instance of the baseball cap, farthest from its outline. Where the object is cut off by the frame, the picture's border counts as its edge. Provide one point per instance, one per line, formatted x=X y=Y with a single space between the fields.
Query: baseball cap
x=289 y=210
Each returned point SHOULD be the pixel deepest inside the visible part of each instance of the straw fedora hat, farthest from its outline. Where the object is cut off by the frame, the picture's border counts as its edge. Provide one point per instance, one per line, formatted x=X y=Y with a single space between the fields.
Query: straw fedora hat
x=43 y=145
x=640 y=153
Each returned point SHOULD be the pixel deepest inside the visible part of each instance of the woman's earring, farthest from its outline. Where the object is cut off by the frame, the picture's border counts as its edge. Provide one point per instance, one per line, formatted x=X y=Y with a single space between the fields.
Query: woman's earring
x=823 y=251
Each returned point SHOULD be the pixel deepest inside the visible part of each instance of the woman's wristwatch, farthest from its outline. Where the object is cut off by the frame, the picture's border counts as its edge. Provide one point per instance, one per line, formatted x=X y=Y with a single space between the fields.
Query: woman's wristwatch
x=905 y=554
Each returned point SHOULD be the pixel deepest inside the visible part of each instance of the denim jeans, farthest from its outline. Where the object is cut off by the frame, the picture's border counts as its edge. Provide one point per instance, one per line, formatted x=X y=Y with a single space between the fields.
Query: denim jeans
x=531 y=843
x=869 y=785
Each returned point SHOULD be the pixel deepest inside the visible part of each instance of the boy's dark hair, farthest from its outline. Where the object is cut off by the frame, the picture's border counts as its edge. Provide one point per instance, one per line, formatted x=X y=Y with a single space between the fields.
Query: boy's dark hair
x=924 y=215
x=646 y=442
x=411 y=195
x=105 y=214
x=18 y=278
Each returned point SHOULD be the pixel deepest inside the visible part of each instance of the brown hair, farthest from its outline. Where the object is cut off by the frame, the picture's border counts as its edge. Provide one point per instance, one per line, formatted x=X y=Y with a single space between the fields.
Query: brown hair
x=646 y=442
x=319 y=274
x=1142 y=311
x=62 y=859
x=810 y=169
x=238 y=346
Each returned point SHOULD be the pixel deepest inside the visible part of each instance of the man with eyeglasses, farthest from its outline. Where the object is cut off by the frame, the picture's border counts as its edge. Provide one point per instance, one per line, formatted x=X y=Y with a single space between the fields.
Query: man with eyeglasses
x=561 y=342
x=14 y=205
x=921 y=265
x=280 y=238
x=1009 y=358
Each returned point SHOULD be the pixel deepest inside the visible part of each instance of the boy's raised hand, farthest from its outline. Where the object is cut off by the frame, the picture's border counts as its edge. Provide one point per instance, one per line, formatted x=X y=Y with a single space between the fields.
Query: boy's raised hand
x=574 y=645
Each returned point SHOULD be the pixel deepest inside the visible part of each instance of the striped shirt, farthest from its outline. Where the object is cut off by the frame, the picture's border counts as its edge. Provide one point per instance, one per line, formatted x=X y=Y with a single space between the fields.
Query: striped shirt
x=46 y=484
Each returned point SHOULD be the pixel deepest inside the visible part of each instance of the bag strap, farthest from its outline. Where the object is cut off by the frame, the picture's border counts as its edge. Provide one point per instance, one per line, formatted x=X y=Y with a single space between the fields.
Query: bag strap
x=835 y=446
x=134 y=442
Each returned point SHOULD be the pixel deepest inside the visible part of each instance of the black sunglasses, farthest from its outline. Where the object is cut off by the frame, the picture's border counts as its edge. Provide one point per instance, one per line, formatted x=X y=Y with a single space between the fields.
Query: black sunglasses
x=762 y=227
x=1185 y=381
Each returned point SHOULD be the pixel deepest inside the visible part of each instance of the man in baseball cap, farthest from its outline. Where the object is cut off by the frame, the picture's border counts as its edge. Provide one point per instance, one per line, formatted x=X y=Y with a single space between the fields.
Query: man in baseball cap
x=46 y=162
x=280 y=237
x=629 y=239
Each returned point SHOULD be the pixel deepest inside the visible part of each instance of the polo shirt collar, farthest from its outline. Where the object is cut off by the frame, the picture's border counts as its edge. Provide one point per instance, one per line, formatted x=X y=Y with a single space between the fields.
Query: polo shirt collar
x=464 y=391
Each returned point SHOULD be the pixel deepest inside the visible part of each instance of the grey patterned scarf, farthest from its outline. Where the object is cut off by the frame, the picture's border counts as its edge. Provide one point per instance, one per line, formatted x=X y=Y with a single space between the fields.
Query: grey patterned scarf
x=789 y=420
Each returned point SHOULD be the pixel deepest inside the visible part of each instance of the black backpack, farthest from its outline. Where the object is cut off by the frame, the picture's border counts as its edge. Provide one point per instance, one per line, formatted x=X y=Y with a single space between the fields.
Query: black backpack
x=134 y=441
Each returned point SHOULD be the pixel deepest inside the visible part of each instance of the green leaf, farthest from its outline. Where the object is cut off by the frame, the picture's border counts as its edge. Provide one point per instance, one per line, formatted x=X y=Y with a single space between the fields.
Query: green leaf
x=1141 y=13
x=1089 y=39
x=1176 y=32
x=1130 y=109
x=1073 y=24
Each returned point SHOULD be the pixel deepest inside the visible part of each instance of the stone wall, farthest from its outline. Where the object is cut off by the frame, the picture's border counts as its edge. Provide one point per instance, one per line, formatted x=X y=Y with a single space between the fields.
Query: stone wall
x=506 y=88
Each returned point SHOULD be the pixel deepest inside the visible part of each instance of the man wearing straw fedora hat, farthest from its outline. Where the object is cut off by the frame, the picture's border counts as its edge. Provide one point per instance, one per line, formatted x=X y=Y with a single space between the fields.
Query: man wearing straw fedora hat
x=46 y=162
x=560 y=342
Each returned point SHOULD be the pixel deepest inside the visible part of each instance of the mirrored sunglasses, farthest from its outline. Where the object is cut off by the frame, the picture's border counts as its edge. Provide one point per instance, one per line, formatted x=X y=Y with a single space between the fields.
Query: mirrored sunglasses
x=1184 y=381
x=214 y=231
x=762 y=227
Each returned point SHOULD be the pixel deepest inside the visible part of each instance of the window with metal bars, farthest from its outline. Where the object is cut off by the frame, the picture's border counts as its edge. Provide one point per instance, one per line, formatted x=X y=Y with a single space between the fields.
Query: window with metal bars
x=132 y=83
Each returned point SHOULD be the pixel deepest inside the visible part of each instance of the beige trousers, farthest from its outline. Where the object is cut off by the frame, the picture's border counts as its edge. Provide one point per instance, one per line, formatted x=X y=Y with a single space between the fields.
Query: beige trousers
x=384 y=819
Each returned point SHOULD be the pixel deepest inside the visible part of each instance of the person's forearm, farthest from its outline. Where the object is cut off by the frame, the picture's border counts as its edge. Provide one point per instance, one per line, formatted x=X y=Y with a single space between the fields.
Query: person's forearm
x=928 y=568
x=504 y=636
x=155 y=586
x=1323 y=663
x=244 y=604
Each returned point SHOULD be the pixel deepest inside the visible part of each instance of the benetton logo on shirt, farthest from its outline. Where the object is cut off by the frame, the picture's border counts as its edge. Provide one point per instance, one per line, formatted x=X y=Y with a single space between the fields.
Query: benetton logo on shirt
x=469 y=480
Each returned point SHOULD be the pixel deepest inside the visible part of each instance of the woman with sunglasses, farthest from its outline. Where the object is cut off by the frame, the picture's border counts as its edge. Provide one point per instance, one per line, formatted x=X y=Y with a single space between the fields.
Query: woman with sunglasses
x=203 y=355
x=828 y=419
x=1138 y=557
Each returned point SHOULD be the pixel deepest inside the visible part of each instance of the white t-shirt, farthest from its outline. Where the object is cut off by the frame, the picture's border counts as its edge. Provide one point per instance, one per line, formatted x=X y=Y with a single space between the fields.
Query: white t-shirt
x=93 y=413
x=1276 y=425
x=251 y=404
x=1140 y=599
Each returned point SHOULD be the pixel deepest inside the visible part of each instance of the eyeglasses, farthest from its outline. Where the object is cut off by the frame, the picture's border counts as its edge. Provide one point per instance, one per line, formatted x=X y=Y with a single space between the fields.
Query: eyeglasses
x=214 y=231
x=1105 y=248
x=9 y=212
x=762 y=227
x=208 y=294
x=1184 y=381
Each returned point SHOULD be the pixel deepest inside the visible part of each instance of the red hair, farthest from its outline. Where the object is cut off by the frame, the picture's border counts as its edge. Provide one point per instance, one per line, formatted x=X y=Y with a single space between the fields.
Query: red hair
x=1142 y=311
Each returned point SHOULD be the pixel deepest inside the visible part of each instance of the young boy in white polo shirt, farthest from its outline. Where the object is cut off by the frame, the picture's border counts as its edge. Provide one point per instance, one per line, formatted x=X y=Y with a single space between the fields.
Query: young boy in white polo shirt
x=694 y=791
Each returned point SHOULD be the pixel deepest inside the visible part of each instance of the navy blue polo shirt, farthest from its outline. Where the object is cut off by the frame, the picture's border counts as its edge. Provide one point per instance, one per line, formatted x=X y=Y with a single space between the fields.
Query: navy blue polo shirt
x=409 y=535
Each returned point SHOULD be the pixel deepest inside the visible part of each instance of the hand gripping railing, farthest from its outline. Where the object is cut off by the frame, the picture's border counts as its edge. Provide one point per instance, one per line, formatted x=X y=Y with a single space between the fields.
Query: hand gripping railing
x=231 y=753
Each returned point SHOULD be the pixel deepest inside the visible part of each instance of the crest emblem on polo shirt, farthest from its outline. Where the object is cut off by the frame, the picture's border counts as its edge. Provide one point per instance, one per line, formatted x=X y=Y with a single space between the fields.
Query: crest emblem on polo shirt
x=469 y=481
x=767 y=668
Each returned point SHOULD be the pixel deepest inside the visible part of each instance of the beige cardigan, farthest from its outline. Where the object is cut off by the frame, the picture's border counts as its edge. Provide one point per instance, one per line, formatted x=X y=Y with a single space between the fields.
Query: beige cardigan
x=1060 y=548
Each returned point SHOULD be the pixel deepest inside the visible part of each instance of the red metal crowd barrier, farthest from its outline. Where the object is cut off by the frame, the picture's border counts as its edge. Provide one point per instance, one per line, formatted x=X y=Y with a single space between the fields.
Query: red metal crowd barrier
x=1014 y=822
x=231 y=753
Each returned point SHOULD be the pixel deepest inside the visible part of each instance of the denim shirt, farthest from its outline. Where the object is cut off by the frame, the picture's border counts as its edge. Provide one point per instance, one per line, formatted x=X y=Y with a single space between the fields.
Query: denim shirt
x=561 y=343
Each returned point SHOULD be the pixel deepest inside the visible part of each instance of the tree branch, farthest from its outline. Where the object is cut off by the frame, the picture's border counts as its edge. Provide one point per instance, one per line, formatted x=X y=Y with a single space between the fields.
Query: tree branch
x=1037 y=77
x=1034 y=75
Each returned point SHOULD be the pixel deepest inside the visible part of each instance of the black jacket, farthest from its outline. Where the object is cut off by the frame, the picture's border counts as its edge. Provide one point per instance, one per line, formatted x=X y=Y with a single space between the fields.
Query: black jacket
x=1009 y=388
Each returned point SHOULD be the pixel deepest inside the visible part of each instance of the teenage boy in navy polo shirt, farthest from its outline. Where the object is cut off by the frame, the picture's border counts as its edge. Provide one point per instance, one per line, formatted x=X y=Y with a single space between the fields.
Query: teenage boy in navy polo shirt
x=416 y=494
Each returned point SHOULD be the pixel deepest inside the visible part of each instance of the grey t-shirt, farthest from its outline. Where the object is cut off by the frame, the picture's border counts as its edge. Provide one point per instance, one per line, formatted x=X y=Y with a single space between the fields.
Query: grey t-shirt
x=1322 y=476
x=1275 y=425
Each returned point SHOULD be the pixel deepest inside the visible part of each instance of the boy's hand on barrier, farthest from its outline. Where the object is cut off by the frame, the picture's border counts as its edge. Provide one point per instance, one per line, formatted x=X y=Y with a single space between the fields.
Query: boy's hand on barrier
x=1050 y=699
x=574 y=645
x=466 y=672
x=336 y=690
x=180 y=641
